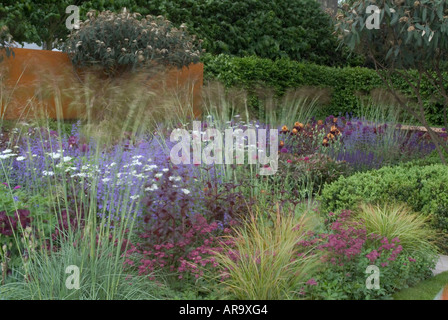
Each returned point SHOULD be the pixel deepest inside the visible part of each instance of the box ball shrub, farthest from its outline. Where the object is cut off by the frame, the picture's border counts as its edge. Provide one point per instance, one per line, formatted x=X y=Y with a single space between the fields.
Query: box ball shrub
x=423 y=188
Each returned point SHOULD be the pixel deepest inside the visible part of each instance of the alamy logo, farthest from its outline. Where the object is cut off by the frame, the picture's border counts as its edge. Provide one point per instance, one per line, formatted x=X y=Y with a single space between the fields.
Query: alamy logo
x=373 y=21
x=72 y=281
x=229 y=147
x=72 y=21
x=373 y=280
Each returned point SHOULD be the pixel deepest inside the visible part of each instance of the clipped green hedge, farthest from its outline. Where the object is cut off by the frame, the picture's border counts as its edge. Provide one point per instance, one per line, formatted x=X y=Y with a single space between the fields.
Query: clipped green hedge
x=345 y=84
x=423 y=188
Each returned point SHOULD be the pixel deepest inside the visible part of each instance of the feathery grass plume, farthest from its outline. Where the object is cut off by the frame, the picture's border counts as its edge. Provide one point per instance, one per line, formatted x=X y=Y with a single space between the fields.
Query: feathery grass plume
x=396 y=220
x=136 y=103
x=263 y=262
x=100 y=277
x=296 y=104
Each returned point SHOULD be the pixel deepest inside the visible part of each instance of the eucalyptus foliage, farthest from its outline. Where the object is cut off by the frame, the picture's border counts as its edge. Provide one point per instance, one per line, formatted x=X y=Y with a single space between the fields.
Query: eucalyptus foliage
x=401 y=35
x=408 y=33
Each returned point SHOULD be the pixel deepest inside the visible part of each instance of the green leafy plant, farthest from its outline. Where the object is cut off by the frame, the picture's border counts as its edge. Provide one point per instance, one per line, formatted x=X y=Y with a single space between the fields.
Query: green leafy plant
x=19 y=214
x=44 y=22
x=398 y=221
x=406 y=39
x=319 y=167
x=126 y=41
x=335 y=91
x=348 y=249
x=298 y=29
x=424 y=189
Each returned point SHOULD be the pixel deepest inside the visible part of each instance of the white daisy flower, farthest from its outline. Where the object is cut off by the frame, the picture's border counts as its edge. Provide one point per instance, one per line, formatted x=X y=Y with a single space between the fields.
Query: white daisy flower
x=48 y=173
x=134 y=197
x=7 y=151
x=158 y=175
x=186 y=191
x=6 y=156
x=21 y=158
x=66 y=159
x=152 y=188
x=55 y=155
x=150 y=167
x=82 y=175
x=175 y=178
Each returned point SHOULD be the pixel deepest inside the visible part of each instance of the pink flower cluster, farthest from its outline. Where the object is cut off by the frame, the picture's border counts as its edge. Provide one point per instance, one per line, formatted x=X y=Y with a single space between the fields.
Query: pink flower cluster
x=392 y=249
x=346 y=241
x=343 y=242
x=187 y=253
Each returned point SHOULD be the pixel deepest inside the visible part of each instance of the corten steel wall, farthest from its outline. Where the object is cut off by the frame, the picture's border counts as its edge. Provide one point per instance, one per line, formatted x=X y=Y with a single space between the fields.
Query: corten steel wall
x=29 y=81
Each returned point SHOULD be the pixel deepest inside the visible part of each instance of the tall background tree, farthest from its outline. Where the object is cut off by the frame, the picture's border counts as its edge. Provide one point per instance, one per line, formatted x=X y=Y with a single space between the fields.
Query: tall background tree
x=297 y=29
x=406 y=39
x=43 y=22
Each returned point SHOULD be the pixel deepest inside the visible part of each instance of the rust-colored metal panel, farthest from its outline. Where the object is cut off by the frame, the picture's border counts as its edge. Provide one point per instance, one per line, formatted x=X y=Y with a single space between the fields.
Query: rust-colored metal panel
x=34 y=80
x=445 y=293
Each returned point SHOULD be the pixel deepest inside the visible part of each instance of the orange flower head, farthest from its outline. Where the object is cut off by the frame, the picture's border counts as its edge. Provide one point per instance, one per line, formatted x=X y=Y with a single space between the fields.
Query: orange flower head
x=298 y=125
x=294 y=131
x=334 y=130
x=282 y=143
x=320 y=122
x=330 y=136
x=335 y=120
